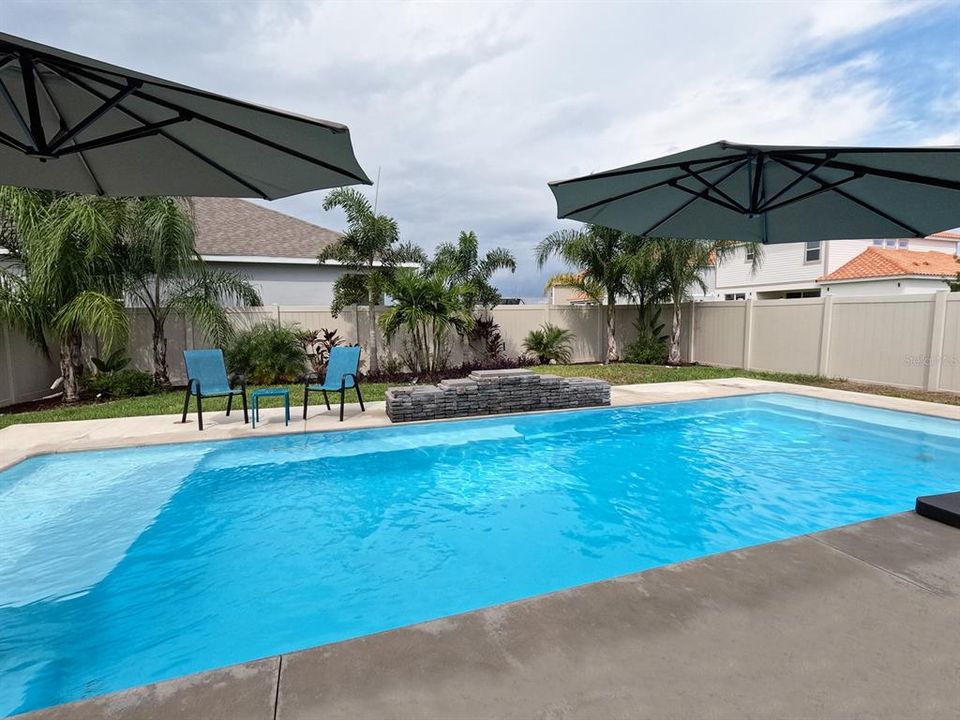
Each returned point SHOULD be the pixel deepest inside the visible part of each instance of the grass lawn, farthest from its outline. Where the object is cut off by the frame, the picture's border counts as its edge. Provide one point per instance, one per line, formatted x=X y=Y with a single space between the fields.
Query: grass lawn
x=169 y=403
x=630 y=374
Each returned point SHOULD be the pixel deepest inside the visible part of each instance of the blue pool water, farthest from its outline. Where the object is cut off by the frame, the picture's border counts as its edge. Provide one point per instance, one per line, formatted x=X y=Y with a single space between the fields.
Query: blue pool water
x=122 y=567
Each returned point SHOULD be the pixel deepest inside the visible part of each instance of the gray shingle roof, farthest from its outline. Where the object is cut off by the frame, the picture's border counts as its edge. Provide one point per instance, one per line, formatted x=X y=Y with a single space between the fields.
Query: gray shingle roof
x=229 y=226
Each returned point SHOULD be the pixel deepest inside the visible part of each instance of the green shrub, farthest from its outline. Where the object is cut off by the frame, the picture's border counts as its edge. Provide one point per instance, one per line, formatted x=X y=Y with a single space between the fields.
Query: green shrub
x=646 y=350
x=549 y=343
x=267 y=354
x=120 y=383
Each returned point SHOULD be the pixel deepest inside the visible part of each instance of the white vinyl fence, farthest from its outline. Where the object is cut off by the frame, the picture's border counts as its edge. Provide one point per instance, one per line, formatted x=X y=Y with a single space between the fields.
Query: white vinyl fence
x=911 y=341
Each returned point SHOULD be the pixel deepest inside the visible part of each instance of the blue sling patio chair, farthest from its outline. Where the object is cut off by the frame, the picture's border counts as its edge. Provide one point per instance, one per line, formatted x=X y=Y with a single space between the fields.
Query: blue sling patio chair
x=342 y=369
x=207 y=377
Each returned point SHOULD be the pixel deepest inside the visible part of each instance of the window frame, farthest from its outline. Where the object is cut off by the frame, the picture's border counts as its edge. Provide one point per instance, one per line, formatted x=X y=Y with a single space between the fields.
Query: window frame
x=807 y=250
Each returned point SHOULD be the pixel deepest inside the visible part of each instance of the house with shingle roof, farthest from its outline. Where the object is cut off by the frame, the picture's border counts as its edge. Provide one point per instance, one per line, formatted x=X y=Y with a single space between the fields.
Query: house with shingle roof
x=275 y=251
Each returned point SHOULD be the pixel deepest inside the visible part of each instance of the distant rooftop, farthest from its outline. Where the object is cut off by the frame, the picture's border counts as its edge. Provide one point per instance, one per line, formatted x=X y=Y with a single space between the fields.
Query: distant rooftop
x=875 y=262
x=228 y=226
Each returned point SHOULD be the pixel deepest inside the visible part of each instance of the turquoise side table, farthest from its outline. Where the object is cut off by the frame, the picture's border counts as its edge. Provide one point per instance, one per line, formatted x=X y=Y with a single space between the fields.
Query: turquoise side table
x=270 y=392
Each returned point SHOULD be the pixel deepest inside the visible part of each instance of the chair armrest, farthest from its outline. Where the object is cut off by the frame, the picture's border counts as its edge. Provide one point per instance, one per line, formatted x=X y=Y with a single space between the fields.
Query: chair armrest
x=343 y=380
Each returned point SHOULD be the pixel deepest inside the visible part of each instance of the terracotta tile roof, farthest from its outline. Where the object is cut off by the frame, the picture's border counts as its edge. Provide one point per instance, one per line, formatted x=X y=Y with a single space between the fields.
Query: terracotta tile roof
x=877 y=262
x=946 y=235
x=229 y=226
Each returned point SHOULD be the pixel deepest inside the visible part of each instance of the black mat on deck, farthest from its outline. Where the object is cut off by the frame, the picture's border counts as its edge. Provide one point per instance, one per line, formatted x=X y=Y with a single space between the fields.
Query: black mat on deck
x=945 y=508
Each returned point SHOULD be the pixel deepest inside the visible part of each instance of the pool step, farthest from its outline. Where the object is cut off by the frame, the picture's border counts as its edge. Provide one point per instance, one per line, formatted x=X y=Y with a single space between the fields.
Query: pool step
x=943 y=508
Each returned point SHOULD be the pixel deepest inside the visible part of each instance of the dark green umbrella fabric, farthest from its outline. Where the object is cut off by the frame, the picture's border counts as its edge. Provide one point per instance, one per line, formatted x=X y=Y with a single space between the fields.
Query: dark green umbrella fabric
x=72 y=123
x=774 y=194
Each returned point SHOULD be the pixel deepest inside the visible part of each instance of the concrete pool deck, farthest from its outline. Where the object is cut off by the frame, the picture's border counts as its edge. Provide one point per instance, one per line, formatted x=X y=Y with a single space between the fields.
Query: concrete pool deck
x=859 y=621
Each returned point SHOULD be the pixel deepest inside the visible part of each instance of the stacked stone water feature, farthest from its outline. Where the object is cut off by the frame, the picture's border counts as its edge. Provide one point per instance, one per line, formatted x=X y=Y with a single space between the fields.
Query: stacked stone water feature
x=490 y=392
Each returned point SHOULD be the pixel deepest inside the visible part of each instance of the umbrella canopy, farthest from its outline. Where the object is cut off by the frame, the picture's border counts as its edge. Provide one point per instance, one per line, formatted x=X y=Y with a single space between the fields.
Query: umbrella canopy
x=72 y=123
x=773 y=194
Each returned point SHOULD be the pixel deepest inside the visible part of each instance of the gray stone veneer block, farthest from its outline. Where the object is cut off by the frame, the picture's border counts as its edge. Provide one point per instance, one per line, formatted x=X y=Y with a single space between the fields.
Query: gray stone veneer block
x=490 y=392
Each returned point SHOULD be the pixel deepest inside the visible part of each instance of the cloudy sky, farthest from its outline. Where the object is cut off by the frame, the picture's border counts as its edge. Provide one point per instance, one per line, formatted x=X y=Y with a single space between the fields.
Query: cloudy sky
x=467 y=109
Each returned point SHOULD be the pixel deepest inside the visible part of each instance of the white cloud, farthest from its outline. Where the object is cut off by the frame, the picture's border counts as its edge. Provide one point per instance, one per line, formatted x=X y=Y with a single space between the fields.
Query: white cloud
x=470 y=108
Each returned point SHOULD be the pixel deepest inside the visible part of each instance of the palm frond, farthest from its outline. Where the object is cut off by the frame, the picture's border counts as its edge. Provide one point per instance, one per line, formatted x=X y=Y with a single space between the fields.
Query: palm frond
x=94 y=313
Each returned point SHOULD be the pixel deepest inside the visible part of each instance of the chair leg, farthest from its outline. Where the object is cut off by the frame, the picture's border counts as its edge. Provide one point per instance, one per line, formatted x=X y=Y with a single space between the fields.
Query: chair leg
x=306 y=394
x=341 y=404
x=243 y=398
x=360 y=397
x=326 y=399
x=229 y=404
x=186 y=405
x=199 y=411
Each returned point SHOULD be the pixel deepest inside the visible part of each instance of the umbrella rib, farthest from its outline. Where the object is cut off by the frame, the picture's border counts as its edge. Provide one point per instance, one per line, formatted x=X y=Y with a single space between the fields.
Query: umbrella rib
x=83 y=159
x=18 y=116
x=721 y=161
x=770 y=207
x=68 y=134
x=705 y=195
x=176 y=141
x=825 y=187
x=879 y=172
x=655 y=185
x=800 y=178
x=227 y=127
x=717 y=190
x=33 y=107
x=12 y=142
x=692 y=200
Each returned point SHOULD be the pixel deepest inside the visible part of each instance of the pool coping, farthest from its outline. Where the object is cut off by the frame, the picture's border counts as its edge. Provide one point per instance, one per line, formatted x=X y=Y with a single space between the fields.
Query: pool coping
x=836 y=586
x=21 y=441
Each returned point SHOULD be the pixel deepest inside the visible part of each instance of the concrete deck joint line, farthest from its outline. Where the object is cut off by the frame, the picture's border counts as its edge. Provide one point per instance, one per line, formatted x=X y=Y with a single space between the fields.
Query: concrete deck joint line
x=276 y=697
x=917 y=584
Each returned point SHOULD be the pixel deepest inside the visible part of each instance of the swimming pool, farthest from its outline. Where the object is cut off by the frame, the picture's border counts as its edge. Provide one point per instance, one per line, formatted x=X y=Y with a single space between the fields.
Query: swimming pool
x=122 y=567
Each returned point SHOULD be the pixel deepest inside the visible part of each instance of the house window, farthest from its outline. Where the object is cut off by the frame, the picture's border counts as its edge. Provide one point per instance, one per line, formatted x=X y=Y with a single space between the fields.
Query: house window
x=811 y=251
x=903 y=244
x=892 y=243
x=749 y=252
x=734 y=296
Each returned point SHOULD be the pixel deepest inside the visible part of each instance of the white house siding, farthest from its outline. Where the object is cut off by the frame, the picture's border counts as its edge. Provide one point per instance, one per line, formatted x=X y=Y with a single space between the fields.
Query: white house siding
x=784 y=270
x=885 y=286
x=293 y=283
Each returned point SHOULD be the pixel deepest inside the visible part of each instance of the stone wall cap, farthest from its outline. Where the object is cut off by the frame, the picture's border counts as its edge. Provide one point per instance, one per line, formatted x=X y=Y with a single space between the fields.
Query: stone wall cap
x=514 y=372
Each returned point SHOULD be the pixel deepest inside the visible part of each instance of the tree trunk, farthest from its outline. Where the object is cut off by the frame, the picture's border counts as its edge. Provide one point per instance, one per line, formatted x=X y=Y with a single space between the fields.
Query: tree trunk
x=612 y=354
x=160 y=374
x=673 y=357
x=71 y=365
x=373 y=355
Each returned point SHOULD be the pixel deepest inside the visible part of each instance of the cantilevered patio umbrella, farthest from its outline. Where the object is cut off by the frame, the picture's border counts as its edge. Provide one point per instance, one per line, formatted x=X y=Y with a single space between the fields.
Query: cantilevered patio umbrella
x=773 y=194
x=68 y=122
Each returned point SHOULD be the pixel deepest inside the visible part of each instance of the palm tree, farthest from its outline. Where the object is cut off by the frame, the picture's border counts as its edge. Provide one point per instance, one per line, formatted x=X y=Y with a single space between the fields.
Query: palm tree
x=462 y=265
x=646 y=286
x=371 y=242
x=549 y=342
x=65 y=278
x=164 y=274
x=681 y=264
x=599 y=254
x=426 y=306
